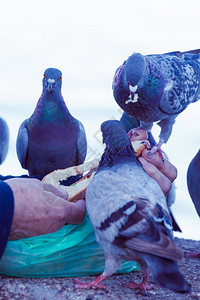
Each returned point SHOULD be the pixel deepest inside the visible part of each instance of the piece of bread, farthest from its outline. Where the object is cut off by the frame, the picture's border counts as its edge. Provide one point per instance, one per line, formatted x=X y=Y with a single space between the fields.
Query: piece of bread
x=76 y=190
x=87 y=170
x=139 y=146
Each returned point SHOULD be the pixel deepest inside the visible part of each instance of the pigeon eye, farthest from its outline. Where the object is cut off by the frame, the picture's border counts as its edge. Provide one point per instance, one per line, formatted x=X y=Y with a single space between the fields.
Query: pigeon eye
x=44 y=75
x=59 y=78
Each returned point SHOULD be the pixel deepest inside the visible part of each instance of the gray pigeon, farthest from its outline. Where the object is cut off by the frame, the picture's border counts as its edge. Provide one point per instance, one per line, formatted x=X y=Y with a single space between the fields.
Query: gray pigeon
x=4 y=140
x=51 y=138
x=130 y=217
x=158 y=87
x=193 y=180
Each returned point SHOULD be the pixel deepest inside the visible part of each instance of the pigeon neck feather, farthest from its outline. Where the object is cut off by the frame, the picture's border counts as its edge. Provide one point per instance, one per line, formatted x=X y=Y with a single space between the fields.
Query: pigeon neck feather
x=52 y=109
x=117 y=155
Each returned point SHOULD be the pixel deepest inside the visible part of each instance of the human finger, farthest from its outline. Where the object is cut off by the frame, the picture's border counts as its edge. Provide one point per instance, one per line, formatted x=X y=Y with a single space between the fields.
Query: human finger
x=166 y=167
x=137 y=134
x=163 y=181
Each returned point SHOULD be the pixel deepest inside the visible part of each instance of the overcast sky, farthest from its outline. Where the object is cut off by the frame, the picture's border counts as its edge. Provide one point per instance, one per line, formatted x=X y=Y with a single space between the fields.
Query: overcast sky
x=87 y=40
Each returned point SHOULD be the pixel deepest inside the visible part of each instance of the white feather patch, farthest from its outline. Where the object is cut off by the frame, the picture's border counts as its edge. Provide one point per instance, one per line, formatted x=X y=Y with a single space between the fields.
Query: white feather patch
x=133 y=89
x=133 y=100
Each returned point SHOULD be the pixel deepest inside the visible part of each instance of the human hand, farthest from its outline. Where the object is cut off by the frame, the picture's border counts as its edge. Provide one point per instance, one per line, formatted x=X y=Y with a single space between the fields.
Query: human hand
x=137 y=135
x=41 y=208
x=139 y=140
x=163 y=172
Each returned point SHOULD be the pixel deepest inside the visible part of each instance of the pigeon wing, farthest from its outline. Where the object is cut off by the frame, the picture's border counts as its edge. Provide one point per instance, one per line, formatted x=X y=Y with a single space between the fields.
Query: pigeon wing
x=22 y=143
x=81 y=144
x=4 y=140
x=182 y=82
x=149 y=232
x=126 y=220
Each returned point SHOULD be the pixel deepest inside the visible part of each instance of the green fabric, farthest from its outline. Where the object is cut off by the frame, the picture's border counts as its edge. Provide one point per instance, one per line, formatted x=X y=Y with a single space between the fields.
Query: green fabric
x=71 y=251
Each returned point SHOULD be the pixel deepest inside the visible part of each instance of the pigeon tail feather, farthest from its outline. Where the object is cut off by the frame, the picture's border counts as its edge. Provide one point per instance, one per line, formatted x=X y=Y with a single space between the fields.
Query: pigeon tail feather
x=166 y=273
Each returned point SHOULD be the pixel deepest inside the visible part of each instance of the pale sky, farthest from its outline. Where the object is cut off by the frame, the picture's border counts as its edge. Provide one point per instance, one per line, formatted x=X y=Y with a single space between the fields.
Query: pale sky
x=87 y=40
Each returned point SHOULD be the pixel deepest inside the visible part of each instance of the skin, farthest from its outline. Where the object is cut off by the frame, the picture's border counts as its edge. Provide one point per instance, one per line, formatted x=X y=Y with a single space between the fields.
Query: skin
x=42 y=208
x=162 y=171
x=138 y=135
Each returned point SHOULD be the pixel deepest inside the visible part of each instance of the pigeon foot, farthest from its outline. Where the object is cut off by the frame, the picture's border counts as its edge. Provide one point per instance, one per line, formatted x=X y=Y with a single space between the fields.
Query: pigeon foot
x=143 y=286
x=192 y=254
x=157 y=148
x=93 y=284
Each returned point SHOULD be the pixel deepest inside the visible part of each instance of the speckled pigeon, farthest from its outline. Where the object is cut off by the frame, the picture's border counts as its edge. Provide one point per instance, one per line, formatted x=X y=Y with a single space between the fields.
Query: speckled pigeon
x=4 y=140
x=158 y=87
x=51 y=138
x=193 y=183
x=129 y=214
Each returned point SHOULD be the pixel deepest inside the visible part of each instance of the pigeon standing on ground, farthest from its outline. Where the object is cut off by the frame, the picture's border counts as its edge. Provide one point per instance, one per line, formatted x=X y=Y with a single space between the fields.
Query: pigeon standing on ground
x=158 y=87
x=129 y=214
x=193 y=183
x=51 y=138
x=4 y=140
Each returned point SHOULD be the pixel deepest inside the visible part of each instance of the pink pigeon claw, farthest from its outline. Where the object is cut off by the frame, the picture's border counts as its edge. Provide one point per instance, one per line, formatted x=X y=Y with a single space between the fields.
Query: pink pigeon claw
x=157 y=148
x=93 y=284
x=143 y=286
x=192 y=254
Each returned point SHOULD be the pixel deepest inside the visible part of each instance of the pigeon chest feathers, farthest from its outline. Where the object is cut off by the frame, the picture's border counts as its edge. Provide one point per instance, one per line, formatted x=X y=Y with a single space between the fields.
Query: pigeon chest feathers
x=51 y=126
x=142 y=99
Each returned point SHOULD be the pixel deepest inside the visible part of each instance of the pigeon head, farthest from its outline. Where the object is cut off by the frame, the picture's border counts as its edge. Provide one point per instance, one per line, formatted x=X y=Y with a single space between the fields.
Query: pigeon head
x=135 y=69
x=52 y=80
x=117 y=143
x=114 y=135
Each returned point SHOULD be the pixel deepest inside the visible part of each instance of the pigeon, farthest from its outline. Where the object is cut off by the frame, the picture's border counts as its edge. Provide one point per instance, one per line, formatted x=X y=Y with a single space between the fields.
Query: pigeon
x=193 y=179
x=51 y=138
x=129 y=123
x=157 y=88
x=4 y=140
x=129 y=214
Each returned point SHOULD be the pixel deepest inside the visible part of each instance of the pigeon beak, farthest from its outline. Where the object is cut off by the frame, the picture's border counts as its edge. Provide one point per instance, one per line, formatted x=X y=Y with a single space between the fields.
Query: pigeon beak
x=50 y=84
